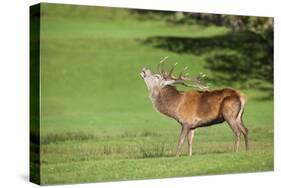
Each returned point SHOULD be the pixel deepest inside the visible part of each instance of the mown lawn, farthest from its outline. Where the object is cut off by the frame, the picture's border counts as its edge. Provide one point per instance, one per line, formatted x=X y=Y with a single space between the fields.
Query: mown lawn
x=97 y=121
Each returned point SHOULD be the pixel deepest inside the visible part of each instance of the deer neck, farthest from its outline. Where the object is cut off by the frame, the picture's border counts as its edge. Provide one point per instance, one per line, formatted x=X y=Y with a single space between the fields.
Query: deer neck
x=165 y=100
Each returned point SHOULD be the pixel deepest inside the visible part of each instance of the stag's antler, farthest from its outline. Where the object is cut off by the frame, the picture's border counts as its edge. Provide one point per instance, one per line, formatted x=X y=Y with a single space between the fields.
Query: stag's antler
x=160 y=66
x=197 y=81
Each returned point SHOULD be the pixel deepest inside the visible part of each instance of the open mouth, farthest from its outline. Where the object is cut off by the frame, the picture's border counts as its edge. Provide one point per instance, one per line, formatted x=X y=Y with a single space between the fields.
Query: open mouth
x=142 y=74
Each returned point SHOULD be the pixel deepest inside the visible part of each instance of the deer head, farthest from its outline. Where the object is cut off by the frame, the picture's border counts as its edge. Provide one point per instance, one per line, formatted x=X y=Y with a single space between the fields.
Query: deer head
x=162 y=78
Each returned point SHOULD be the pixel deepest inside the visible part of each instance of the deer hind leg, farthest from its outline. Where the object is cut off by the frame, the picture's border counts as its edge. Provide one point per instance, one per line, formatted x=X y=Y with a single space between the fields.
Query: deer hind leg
x=239 y=118
x=230 y=110
x=237 y=138
x=190 y=136
x=234 y=126
x=184 y=131
x=244 y=131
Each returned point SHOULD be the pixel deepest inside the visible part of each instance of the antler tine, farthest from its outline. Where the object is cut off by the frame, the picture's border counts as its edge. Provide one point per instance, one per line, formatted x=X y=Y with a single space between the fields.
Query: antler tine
x=185 y=68
x=196 y=86
x=172 y=69
x=202 y=75
x=199 y=81
x=185 y=80
x=160 y=66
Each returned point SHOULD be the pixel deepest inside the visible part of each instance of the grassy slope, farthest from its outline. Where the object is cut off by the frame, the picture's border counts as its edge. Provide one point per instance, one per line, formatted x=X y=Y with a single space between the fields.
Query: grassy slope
x=97 y=121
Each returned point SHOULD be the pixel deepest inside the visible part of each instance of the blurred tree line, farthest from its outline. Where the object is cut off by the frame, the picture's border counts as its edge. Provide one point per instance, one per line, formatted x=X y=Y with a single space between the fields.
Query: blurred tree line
x=236 y=23
x=256 y=24
x=255 y=32
x=243 y=55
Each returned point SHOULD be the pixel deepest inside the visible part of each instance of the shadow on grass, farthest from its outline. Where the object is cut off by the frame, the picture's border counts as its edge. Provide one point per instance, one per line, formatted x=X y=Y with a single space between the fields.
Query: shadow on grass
x=243 y=58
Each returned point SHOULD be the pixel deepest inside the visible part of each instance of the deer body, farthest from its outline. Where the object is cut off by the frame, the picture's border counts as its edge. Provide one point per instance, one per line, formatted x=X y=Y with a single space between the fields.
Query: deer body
x=197 y=108
x=194 y=109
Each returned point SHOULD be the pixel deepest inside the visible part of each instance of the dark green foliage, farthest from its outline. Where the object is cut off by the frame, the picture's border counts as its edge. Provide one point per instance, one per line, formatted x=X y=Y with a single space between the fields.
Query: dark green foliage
x=252 y=38
x=234 y=57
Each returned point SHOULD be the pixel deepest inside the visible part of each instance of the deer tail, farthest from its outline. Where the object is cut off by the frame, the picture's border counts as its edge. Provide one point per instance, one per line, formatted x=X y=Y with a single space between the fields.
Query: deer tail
x=243 y=101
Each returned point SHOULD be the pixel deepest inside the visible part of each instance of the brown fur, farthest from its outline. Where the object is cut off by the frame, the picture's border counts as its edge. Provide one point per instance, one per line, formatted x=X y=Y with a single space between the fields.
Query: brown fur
x=193 y=109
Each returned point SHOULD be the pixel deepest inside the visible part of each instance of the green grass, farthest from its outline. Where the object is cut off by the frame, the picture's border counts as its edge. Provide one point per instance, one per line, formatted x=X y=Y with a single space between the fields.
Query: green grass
x=124 y=169
x=97 y=121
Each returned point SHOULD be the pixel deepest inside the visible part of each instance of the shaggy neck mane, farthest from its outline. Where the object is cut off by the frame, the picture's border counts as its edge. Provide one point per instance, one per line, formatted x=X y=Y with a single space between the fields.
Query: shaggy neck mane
x=166 y=100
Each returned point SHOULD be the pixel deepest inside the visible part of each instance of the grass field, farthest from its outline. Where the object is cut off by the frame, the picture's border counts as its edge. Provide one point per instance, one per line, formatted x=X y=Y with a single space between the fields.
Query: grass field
x=97 y=121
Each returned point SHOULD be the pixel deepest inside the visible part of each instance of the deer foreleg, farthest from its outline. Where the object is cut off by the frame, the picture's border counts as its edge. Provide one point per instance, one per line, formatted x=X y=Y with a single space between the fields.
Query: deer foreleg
x=190 y=139
x=184 y=131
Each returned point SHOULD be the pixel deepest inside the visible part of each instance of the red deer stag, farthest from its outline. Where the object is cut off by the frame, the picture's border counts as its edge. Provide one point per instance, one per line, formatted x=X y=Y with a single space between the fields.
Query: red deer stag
x=194 y=109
